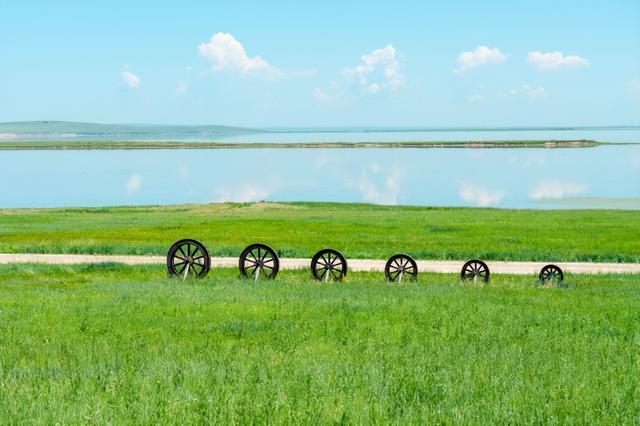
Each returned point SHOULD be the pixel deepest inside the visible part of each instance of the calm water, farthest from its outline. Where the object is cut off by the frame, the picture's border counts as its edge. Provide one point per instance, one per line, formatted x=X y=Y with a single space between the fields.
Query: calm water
x=624 y=135
x=88 y=131
x=607 y=176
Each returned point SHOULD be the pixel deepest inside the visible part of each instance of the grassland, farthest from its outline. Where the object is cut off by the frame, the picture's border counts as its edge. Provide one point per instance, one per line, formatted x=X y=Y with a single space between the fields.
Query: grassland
x=115 y=344
x=358 y=230
x=128 y=145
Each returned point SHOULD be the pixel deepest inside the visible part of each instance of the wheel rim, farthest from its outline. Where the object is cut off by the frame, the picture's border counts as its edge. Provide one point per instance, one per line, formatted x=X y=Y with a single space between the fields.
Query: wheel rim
x=328 y=265
x=259 y=261
x=188 y=258
x=475 y=270
x=401 y=267
x=551 y=273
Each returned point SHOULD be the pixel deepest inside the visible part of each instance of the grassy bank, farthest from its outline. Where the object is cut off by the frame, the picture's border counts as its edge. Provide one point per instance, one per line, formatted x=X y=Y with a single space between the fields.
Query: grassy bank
x=115 y=344
x=106 y=145
x=358 y=230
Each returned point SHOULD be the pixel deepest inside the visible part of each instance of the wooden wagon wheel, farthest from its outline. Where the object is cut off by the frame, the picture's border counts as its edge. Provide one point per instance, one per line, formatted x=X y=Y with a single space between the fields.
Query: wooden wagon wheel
x=401 y=267
x=259 y=261
x=329 y=264
x=188 y=258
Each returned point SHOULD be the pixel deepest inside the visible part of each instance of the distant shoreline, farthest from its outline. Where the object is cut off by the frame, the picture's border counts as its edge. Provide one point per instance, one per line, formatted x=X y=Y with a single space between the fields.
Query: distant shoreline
x=144 y=145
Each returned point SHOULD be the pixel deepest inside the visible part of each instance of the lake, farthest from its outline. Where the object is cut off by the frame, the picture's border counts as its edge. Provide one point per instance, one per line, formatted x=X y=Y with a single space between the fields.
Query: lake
x=599 y=177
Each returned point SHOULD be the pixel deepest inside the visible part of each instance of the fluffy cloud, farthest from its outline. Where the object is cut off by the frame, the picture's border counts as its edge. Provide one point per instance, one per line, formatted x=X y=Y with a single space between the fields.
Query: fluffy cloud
x=534 y=92
x=475 y=99
x=480 y=56
x=379 y=70
x=130 y=79
x=133 y=184
x=182 y=88
x=555 y=190
x=245 y=194
x=553 y=60
x=530 y=91
x=635 y=87
x=323 y=97
x=480 y=196
x=225 y=52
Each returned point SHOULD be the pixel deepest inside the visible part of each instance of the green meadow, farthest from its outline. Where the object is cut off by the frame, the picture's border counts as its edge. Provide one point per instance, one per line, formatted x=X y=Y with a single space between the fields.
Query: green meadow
x=358 y=230
x=116 y=344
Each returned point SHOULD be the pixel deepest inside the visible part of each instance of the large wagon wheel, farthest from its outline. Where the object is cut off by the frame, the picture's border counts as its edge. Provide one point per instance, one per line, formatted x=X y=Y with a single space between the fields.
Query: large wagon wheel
x=259 y=261
x=475 y=270
x=329 y=264
x=401 y=267
x=551 y=274
x=188 y=258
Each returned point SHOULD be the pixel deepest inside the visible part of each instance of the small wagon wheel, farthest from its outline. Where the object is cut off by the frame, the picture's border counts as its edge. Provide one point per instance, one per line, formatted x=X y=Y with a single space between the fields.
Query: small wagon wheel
x=401 y=267
x=550 y=274
x=259 y=261
x=328 y=264
x=475 y=270
x=188 y=258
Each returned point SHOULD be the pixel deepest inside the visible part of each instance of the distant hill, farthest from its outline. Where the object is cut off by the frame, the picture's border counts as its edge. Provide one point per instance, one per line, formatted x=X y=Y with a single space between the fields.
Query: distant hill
x=78 y=130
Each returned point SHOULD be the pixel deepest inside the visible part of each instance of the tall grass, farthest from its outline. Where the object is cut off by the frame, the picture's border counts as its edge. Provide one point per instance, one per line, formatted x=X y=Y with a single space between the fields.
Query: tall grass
x=116 y=344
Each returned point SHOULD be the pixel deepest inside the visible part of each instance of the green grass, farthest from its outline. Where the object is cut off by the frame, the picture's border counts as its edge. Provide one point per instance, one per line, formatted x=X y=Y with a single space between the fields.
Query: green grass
x=358 y=230
x=116 y=344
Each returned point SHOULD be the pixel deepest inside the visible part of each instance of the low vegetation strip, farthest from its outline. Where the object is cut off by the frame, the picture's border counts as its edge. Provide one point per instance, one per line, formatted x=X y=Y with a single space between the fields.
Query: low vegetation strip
x=107 y=145
x=117 y=344
x=299 y=230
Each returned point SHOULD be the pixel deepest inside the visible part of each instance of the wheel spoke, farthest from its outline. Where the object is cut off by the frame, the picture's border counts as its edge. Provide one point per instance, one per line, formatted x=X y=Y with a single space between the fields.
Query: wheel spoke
x=182 y=251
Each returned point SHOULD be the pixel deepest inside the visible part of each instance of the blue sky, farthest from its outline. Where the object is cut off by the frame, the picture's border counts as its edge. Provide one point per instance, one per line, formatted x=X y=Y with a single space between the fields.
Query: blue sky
x=269 y=64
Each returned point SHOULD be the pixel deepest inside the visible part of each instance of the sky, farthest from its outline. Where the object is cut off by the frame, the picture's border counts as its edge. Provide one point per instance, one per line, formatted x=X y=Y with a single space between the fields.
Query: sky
x=322 y=64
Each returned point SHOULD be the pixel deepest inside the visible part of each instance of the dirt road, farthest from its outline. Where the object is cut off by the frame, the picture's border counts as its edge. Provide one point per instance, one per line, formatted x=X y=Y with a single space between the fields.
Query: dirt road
x=441 y=266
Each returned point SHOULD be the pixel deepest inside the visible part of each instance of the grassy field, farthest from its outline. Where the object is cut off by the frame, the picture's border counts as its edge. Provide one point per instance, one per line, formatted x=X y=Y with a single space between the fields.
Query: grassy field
x=358 y=230
x=116 y=344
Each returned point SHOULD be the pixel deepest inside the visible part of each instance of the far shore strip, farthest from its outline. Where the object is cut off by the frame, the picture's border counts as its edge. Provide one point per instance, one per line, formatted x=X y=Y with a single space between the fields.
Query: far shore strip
x=143 y=145
x=358 y=265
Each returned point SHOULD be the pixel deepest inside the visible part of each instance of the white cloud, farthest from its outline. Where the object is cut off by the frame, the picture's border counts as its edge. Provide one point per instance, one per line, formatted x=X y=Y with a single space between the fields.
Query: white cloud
x=323 y=97
x=635 y=87
x=534 y=92
x=379 y=70
x=225 y=52
x=480 y=196
x=552 y=60
x=475 y=99
x=133 y=184
x=555 y=190
x=130 y=79
x=245 y=194
x=182 y=88
x=480 y=56
x=386 y=193
x=530 y=91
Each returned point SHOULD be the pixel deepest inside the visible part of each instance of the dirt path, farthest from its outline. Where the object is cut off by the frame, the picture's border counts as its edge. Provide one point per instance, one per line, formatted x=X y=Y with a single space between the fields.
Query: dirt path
x=441 y=266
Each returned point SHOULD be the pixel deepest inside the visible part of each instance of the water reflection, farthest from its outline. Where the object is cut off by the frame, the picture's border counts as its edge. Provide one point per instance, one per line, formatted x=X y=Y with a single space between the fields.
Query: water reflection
x=512 y=178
